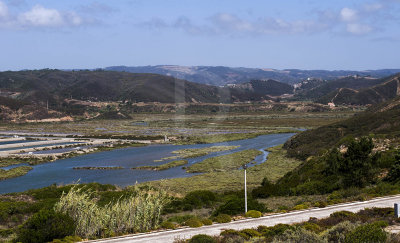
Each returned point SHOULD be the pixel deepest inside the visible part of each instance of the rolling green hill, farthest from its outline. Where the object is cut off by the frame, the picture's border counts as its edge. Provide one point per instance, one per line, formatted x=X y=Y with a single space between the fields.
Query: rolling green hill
x=381 y=120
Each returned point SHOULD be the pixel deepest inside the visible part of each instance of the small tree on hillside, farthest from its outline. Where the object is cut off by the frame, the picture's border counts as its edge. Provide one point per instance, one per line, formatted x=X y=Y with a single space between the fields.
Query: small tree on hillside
x=394 y=172
x=356 y=165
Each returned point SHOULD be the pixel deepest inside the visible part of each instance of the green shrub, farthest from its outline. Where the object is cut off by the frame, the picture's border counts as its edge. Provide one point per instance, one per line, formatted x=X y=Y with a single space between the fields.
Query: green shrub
x=68 y=239
x=377 y=213
x=202 y=239
x=180 y=219
x=206 y=221
x=338 y=232
x=5 y=232
x=274 y=230
x=250 y=233
x=168 y=225
x=253 y=214
x=200 y=198
x=298 y=235
x=300 y=207
x=45 y=226
x=320 y=204
x=229 y=232
x=231 y=235
x=366 y=233
x=381 y=223
x=236 y=205
x=312 y=227
x=344 y=215
x=194 y=223
x=266 y=189
x=223 y=218
x=12 y=208
x=313 y=187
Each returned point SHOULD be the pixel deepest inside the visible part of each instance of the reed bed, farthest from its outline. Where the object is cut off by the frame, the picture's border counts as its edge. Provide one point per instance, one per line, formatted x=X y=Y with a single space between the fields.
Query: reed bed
x=139 y=212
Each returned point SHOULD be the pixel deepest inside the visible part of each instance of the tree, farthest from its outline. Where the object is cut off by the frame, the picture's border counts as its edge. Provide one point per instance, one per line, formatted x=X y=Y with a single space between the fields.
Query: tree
x=394 y=172
x=356 y=166
x=45 y=226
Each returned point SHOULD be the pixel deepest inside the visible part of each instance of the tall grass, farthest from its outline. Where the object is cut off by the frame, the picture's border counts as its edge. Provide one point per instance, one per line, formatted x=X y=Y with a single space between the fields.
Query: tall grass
x=136 y=213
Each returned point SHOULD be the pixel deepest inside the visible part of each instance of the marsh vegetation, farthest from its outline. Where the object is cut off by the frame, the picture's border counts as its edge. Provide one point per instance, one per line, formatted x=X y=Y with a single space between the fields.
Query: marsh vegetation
x=14 y=172
x=165 y=166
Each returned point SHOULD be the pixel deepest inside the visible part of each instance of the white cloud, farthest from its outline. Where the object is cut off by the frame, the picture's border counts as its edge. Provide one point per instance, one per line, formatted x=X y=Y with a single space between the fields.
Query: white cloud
x=348 y=15
x=40 y=16
x=3 y=10
x=358 y=29
x=358 y=20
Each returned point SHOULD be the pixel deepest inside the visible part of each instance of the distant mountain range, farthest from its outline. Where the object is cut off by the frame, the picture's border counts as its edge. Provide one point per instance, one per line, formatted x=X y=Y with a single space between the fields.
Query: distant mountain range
x=70 y=92
x=221 y=76
x=35 y=92
x=55 y=85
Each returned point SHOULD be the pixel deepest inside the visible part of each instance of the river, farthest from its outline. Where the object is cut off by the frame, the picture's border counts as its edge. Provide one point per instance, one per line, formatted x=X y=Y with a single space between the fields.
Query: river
x=62 y=172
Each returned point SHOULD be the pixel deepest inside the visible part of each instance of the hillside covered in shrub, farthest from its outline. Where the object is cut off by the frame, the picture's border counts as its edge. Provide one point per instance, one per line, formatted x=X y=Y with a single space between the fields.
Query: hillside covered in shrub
x=382 y=120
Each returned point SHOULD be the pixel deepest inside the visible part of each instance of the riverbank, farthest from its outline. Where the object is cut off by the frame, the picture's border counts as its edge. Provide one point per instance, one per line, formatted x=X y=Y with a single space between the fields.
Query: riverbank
x=62 y=172
x=276 y=166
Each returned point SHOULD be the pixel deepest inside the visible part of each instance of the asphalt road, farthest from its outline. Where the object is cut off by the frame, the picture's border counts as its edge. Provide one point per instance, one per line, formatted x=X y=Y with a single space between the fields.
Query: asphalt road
x=286 y=218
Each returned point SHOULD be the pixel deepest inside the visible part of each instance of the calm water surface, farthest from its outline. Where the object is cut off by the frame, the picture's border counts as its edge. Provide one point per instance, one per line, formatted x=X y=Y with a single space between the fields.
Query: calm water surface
x=61 y=171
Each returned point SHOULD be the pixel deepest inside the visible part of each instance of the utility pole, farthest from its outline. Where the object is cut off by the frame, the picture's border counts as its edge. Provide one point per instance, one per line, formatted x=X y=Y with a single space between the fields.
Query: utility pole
x=245 y=189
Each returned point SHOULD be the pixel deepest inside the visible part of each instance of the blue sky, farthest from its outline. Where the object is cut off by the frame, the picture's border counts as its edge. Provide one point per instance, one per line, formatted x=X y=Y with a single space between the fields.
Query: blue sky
x=304 y=34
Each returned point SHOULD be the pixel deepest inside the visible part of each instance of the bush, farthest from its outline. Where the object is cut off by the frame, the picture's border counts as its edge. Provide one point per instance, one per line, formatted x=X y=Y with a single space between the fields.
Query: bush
x=5 y=232
x=236 y=206
x=253 y=214
x=194 y=223
x=274 y=230
x=45 y=226
x=266 y=189
x=320 y=204
x=206 y=221
x=312 y=227
x=344 y=215
x=380 y=223
x=249 y=233
x=298 y=235
x=202 y=239
x=68 y=239
x=223 y=218
x=366 y=233
x=200 y=198
x=338 y=232
x=231 y=235
x=168 y=225
x=300 y=207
